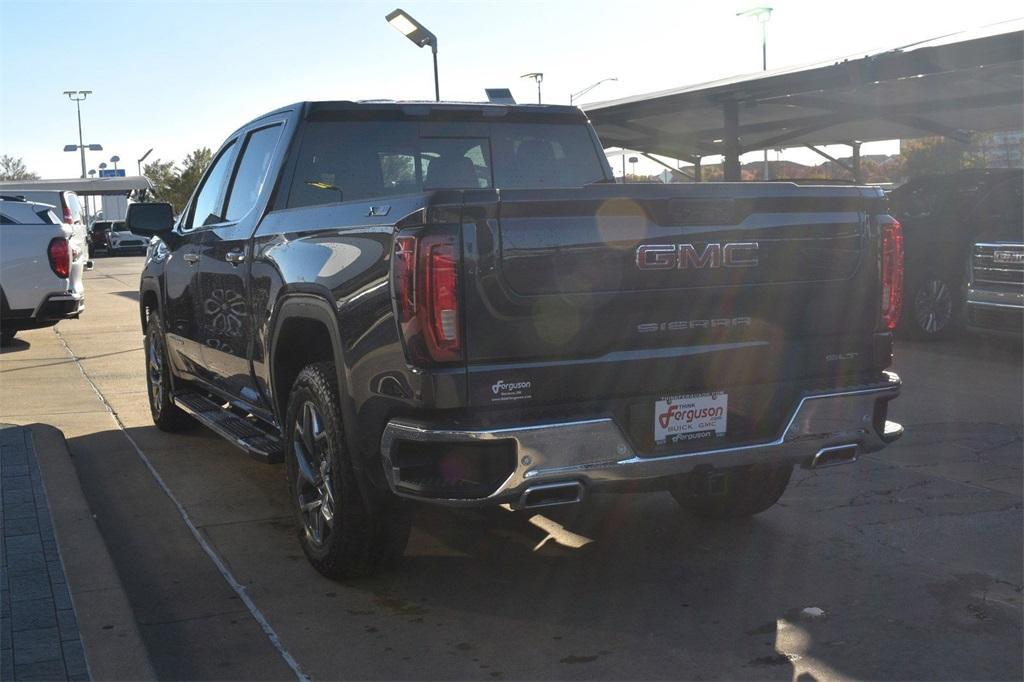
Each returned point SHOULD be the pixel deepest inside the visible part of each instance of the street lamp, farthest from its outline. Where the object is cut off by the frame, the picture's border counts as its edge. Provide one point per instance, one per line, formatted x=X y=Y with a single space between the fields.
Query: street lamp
x=402 y=22
x=114 y=159
x=143 y=158
x=574 y=95
x=78 y=96
x=762 y=14
x=537 y=76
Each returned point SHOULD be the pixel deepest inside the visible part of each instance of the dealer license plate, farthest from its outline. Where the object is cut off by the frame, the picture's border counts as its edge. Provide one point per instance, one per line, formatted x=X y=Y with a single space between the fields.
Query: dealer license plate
x=690 y=417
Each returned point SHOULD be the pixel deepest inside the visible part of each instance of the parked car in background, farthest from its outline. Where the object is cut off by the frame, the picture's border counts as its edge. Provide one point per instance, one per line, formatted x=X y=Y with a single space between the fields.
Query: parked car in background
x=41 y=265
x=123 y=241
x=995 y=285
x=65 y=204
x=942 y=217
x=99 y=236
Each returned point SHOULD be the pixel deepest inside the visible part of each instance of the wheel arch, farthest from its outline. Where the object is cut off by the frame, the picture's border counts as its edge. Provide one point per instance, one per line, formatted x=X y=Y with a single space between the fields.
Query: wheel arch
x=305 y=321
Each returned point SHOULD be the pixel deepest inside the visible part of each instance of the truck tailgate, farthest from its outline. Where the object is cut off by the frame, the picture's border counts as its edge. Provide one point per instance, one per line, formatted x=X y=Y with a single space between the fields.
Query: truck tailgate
x=626 y=290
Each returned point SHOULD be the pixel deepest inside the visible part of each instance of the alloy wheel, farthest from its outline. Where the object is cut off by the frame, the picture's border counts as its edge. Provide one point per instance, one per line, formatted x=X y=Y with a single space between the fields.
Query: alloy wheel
x=933 y=306
x=314 y=487
x=155 y=367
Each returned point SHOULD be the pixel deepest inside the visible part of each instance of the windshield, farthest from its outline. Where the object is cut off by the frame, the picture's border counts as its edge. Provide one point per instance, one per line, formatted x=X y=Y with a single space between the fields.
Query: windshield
x=345 y=161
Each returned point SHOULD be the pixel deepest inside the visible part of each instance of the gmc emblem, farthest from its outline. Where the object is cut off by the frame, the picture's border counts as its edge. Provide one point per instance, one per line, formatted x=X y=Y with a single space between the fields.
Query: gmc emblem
x=685 y=256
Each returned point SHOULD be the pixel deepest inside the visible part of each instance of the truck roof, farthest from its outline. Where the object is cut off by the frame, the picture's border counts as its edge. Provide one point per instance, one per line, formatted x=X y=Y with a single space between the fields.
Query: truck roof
x=430 y=109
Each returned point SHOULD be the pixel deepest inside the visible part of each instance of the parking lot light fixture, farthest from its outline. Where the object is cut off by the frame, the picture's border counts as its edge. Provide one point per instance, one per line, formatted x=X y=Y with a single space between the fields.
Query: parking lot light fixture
x=537 y=76
x=575 y=95
x=79 y=96
x=403 y=22
x=762 y=14
x=143 y=158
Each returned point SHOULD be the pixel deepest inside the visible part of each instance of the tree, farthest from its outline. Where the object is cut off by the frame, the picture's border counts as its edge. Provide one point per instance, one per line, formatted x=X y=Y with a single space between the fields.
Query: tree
x=937 y=155
x=173 y=184
x=14 y=169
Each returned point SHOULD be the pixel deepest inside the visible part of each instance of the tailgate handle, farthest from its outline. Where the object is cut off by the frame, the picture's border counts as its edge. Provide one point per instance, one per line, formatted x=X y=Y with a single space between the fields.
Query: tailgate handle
x=235 y=257
x=191 y=258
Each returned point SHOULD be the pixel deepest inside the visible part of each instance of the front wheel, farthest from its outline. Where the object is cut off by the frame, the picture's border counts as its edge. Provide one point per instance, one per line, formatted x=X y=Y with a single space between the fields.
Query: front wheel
x=166 y=415
x=732 y=493
x=346 y=529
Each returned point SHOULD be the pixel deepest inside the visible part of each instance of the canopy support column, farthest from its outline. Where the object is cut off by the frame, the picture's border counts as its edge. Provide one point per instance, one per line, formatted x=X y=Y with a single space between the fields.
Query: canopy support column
x=731 y=158
x=858 y=176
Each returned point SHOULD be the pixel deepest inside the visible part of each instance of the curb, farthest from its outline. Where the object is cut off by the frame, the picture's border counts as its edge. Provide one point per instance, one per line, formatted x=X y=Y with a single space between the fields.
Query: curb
x=106 y=622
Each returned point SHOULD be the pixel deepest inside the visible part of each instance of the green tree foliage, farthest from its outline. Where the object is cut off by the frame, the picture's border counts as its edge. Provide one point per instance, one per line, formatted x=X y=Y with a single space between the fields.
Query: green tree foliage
x=937 y=155
x=175 y=184
x=14 y=169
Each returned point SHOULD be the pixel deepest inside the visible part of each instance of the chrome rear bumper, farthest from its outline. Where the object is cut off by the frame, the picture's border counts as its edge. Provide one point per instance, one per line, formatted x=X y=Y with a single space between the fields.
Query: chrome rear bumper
x=595 y=451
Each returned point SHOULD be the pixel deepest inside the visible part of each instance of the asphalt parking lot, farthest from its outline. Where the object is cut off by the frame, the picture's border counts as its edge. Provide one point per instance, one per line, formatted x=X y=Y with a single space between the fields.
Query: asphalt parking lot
x=905 y=565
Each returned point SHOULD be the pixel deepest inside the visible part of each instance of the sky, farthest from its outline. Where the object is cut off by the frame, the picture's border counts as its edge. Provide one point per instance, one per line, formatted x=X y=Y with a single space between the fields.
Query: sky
x=175 y=76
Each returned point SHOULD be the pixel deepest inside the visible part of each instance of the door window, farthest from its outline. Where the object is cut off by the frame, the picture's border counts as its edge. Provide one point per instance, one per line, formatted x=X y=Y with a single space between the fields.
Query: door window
x=252 y=171
x=208 y=207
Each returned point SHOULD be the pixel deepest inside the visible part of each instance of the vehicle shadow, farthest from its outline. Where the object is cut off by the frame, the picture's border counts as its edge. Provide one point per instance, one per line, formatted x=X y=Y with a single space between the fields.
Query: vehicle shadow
x=133 y=294
x=15 y=346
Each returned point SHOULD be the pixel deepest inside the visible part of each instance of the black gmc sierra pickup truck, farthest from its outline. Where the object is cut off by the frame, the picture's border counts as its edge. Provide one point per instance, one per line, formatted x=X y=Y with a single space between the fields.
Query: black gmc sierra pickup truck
x=456 y=303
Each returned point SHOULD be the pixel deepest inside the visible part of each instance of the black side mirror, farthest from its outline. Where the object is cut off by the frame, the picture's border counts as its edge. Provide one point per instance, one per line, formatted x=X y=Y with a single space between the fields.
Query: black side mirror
x=150 y=220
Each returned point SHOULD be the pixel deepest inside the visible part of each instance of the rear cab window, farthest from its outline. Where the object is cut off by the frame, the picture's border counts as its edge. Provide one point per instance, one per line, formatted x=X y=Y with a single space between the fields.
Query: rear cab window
x=350 y=160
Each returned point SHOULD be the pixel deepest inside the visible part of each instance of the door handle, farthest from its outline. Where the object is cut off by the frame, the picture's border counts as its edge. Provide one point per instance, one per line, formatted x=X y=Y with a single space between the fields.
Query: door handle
x=191 y=258
x=235 y=257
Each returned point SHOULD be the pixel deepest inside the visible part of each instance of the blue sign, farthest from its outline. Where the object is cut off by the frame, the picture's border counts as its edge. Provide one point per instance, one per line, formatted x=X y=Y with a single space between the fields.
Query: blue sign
x=112 y=172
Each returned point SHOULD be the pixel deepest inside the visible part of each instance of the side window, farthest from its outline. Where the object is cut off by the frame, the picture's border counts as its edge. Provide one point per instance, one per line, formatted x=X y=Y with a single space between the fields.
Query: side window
x=252 y=171
x=209 y=202
x=76 y=207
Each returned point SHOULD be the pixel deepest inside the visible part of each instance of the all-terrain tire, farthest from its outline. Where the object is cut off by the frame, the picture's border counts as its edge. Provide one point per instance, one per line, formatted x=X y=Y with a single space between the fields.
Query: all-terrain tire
x=346 y=528
x=739 y=493
x=166 y=415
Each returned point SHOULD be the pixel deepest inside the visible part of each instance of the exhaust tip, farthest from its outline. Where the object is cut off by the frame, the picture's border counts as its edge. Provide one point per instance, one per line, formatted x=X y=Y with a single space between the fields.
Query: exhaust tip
x=834 y=456
x=551 y=494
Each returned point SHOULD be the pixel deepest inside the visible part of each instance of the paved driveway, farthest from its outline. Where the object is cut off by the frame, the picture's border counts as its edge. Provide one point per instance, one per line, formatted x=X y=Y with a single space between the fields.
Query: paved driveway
x=909 y=561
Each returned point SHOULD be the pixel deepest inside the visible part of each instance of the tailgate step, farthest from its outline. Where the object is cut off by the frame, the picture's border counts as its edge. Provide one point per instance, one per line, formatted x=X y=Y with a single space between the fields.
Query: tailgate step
x=242 y=433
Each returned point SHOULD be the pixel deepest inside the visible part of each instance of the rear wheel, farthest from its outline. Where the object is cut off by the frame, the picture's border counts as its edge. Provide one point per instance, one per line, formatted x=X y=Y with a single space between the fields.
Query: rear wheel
x=932 y=307
x=7 y=336
x=732 y=493
x=346 y=529
x=166 y=415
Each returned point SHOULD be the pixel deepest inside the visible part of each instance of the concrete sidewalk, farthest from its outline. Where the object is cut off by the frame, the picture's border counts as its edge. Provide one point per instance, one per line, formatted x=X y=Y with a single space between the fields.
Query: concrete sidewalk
x=59 y=584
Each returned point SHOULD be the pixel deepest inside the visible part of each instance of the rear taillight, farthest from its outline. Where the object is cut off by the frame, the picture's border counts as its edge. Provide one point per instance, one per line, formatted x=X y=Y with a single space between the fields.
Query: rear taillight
x=891 y=269
x=68 y=218
x=427 y=296
x=60 y=257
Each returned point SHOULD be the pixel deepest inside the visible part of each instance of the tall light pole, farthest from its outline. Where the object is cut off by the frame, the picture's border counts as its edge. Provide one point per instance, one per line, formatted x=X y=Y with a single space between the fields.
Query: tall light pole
x=78 y=96
x=143 y=158
x=537 y=76
x=574 y=95
x=763 y=15
x=403 y=22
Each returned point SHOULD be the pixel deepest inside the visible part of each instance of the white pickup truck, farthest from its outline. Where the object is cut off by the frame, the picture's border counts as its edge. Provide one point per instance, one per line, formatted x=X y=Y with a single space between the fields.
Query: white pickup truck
x=41 y=266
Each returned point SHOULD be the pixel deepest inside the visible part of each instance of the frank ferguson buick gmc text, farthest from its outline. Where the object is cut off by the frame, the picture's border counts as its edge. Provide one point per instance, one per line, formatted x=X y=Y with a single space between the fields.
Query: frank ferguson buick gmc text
x=456 y=304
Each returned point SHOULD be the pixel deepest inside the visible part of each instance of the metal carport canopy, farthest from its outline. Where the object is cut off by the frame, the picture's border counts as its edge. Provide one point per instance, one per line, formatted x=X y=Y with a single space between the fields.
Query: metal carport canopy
x=950 y=86
x=80 y=186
